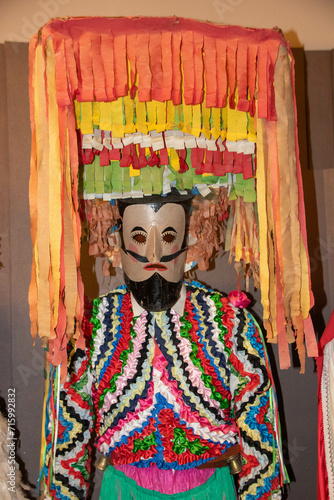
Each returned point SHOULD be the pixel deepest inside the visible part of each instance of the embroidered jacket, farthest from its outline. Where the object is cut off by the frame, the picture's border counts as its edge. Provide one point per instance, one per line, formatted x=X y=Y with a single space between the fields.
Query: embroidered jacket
x=170 y=390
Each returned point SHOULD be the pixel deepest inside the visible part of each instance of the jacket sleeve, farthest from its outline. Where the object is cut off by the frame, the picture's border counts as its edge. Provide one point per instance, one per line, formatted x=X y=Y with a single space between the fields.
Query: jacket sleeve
x=254 y=407
x=68 y=426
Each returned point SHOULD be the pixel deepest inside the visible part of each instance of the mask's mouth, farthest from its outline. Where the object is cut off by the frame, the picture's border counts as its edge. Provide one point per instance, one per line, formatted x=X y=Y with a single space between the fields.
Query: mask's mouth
x=155 y=267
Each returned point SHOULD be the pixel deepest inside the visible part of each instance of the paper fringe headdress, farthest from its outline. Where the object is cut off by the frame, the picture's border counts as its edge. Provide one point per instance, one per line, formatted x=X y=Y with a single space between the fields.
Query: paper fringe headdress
x=149 y=103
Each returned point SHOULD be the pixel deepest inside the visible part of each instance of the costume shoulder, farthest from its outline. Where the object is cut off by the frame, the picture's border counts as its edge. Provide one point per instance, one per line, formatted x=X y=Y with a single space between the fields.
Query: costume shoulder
x=221 y=301
x=109 y=313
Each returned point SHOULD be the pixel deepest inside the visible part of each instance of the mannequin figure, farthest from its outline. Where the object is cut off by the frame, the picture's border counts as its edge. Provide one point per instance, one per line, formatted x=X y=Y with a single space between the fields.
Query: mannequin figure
x=174 y=377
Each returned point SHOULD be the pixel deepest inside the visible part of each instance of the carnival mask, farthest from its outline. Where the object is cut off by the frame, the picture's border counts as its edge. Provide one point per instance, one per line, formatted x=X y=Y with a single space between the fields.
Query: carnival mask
x=153 y=253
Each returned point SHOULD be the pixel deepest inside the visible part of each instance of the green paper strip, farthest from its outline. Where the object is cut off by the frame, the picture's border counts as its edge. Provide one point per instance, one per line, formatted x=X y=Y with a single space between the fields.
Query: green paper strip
x=108 y=170
x=188 y=175
x=116 y=177
x=179 y=181
x=147 y=182
x=126 y=180
x=138 y=182
x=156 y=175
x=249 y=192
x=99 y=176
x=89 y=182
x=209 y=179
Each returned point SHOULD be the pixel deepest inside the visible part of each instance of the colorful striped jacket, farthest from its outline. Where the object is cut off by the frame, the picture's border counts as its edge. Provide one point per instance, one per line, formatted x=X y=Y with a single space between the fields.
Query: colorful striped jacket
x=170 y=390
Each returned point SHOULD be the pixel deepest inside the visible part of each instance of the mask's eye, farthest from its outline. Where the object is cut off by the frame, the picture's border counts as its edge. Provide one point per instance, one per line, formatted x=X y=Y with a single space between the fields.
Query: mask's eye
x=169 y=235
x=139 y=238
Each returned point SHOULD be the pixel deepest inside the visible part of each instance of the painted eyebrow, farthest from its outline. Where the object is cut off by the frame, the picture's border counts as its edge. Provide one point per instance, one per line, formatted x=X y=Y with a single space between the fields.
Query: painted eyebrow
x=169 y=228
x=138 y=228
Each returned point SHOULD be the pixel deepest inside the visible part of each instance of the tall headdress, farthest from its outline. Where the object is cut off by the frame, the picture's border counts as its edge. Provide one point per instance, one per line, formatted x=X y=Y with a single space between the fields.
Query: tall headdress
x=146 y=104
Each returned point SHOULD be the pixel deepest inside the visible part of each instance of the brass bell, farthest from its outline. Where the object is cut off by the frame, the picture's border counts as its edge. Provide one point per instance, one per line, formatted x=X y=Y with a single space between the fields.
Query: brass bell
x=234 y=464
x=102 y=462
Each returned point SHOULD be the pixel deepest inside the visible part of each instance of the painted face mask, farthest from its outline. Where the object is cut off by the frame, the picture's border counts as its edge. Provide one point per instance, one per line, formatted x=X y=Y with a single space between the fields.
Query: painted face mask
x=153 y=254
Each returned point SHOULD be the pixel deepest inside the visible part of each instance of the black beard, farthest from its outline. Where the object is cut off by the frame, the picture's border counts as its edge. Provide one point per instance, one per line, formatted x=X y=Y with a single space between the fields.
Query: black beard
x=155 y=294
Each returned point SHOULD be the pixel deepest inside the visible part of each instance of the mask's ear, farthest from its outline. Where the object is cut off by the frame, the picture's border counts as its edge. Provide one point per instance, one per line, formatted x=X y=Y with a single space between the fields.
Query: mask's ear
x=114 y=254
x=114 y=240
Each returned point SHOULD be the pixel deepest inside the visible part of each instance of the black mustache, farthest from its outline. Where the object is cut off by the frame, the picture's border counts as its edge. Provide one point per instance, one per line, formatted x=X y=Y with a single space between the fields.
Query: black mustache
x=164 y=258
x=168 y=258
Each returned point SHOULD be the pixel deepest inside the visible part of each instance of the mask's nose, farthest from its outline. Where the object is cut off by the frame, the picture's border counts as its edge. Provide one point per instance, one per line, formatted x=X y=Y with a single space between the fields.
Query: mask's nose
x=154 y=246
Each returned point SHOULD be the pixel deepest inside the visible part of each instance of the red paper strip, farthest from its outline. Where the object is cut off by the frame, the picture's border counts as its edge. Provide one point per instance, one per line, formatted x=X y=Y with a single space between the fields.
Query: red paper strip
x=193 y=156
x=107 y=53
x=63 y=96
x=142 y=157
x=182 y=160
x=272 y=115
x=228 y=161
x=131 y=52
x=198 y=68
x=247 y=167
x=252 y=57
x=231 y=70
x=126 y=159
x=218 y=167
x=156 y=65
x=135 y=159
x=238 y=163
x=98 y=70
x=153 y=159
x=104 y=157
x=243 y=103
x=221 y=73
x=71 y=67
x=163 y=156
x=114 y=154
x=219 y=171
x=208 y=165
x=198 y=160
x=262 y=100
x=86 y=80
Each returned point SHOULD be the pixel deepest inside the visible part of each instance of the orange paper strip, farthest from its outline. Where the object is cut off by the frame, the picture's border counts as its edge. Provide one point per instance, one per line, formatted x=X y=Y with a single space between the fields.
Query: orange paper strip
x=210 y=71
x=188 y=66
x=121 y=73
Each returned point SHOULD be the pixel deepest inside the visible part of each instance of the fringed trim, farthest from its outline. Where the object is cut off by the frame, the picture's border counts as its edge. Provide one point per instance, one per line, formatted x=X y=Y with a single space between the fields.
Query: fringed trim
x=285 y=291
x=55 y=221
x=165 y=63
x=116 y=484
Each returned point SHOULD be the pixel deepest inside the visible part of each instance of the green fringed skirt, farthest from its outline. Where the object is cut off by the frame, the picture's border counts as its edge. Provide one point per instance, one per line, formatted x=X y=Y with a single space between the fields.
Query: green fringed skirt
x=117 y=486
